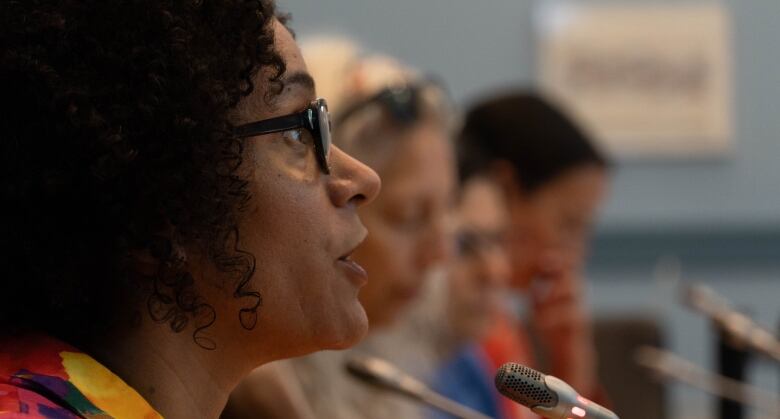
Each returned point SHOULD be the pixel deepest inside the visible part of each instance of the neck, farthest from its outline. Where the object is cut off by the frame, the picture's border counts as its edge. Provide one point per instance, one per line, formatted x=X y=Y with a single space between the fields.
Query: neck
x=169 y=370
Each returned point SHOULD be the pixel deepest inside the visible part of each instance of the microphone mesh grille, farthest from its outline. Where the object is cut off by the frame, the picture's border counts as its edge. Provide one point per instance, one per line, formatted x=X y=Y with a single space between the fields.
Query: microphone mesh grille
x=524 y=385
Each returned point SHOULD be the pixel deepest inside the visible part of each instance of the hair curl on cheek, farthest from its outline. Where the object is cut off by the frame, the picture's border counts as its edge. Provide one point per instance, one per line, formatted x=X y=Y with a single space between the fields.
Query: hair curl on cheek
x=113 y=134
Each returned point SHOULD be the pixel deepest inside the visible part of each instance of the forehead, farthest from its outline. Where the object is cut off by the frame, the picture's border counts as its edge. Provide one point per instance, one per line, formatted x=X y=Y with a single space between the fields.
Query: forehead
x=483 y=205
x=421 y=152
x=581 y=187
x=288 y=49
x=297 y=86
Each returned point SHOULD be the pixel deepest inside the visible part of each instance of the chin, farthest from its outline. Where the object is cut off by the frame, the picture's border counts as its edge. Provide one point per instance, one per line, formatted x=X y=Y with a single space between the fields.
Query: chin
x=349 y=342
x=349 y=332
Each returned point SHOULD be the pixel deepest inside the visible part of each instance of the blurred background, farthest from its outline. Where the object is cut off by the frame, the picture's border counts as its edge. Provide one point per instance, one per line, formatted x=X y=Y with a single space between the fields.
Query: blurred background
x=709 y=215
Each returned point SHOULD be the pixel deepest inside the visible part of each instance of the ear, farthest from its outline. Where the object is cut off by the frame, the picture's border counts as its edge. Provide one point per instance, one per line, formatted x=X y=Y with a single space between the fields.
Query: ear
x=161 y=250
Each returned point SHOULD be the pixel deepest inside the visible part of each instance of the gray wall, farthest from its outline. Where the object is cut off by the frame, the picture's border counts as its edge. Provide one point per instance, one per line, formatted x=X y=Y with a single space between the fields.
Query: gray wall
x=482 y=45
x=719 y=221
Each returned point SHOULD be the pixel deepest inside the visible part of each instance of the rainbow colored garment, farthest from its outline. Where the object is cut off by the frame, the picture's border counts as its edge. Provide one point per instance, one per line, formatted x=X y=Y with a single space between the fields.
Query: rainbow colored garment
x=41 y=377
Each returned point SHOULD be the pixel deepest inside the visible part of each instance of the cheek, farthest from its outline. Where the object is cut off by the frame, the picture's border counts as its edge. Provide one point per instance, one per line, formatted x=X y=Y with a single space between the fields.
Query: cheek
x=287 y=230
x=459 y=282
x=280 y=232
x=541 y=228
x=470 y=279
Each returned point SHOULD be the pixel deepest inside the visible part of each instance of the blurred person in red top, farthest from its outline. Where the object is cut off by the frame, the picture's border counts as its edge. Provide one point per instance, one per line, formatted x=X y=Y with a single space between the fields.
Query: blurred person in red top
x=554 y=180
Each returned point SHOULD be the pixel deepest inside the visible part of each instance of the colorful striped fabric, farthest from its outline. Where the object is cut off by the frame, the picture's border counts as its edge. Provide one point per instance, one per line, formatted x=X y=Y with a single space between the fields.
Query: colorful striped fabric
x=41 y=377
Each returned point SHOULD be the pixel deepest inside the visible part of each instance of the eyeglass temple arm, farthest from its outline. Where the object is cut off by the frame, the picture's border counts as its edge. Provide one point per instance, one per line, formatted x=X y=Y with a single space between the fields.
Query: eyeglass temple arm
x=269 y=126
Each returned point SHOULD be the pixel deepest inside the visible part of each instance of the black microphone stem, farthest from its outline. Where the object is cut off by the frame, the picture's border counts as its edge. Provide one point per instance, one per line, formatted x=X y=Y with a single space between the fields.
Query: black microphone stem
x=732 y=363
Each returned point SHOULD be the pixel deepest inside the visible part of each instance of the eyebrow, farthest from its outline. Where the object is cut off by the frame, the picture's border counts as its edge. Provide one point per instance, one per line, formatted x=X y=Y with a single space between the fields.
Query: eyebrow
x=301 y=79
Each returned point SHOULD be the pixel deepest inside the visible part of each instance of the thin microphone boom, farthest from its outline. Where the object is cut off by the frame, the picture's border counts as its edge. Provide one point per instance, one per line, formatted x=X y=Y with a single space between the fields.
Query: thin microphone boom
x=737 y=325
x=671 y=366
x=385 y=375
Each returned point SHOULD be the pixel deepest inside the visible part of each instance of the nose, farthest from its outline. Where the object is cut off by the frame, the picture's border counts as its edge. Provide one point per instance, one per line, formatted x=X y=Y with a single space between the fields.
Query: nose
x=494 y=266
x=351 y=182
x=561 y=258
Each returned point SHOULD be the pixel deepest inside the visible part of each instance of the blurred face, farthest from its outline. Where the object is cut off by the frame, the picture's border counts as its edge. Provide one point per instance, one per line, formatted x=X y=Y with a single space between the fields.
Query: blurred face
x=408 y=221
x=302 y=227
x=550 y=227
x=481 y=271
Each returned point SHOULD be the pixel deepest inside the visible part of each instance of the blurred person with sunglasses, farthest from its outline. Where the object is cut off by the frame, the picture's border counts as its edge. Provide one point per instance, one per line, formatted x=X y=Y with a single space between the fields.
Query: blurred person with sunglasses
x=400 y=124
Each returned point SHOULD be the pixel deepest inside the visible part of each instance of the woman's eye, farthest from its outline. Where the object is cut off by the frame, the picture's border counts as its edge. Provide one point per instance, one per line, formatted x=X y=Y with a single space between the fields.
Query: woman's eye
x=409 y=220
x=294 y=135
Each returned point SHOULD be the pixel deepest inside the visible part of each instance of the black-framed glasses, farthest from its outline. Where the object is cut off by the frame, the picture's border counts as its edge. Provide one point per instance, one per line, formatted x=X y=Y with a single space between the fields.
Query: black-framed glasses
x=315 y=118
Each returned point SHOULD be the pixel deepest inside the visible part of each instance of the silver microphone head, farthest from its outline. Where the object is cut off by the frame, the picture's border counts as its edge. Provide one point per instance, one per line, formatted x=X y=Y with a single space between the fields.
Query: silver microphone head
x=525 y=386
x=546 y=395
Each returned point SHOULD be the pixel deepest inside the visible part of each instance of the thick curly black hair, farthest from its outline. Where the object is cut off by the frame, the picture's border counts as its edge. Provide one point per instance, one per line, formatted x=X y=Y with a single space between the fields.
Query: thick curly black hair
x=114 y=131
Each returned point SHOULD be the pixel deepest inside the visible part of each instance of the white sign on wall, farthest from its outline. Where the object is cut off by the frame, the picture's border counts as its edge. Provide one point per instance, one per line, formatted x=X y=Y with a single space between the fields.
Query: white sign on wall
x=645 y=79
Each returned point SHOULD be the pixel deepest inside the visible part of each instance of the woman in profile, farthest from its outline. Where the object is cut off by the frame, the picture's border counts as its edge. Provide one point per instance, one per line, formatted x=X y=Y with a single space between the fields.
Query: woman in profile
x=400 y=124
x=175 y=213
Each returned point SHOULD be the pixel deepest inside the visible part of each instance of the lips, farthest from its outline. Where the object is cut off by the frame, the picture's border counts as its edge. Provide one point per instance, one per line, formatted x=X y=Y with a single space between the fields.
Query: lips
x=354 y=271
